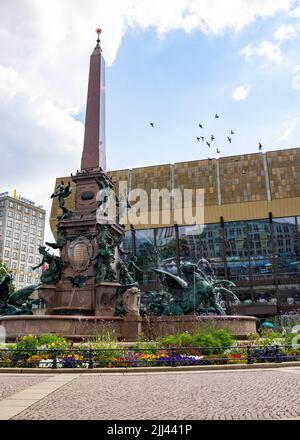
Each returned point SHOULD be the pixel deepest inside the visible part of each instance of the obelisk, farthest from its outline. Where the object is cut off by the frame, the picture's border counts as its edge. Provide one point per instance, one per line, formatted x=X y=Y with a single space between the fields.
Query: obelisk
x=94 y=148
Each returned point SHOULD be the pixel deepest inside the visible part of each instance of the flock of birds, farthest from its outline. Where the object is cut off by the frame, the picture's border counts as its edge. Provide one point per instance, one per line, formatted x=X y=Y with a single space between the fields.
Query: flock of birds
x=209 y=141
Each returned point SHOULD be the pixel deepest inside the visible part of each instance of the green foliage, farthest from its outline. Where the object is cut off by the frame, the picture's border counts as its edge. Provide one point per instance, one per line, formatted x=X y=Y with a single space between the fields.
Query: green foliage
x=3 y=270
x=214 y=339
x=104 y=336
x=25 y=344
x=270 y=338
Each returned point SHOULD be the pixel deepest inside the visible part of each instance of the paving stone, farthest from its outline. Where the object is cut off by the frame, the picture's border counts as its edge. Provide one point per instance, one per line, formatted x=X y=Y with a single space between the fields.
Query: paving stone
x=11 y=384
x=245 y=395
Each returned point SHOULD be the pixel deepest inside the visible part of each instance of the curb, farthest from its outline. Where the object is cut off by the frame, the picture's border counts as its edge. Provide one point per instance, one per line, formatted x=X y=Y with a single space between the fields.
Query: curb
x=149 y=369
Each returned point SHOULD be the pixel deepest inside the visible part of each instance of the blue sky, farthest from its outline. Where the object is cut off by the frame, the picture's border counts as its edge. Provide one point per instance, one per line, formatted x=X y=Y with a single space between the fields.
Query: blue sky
x=173 y=62
x=182 y=79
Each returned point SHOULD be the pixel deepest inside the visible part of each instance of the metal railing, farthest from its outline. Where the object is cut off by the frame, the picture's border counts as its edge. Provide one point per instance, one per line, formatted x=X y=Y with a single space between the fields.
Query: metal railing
x=146 y=357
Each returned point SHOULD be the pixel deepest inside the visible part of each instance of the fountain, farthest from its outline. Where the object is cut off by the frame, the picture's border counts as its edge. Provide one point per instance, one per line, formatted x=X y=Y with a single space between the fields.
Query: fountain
x=82 y=286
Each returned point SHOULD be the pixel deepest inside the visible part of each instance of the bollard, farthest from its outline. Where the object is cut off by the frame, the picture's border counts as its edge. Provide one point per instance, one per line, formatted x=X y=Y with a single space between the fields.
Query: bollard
x=173 y=362
x=54 y=358
x=249 y=357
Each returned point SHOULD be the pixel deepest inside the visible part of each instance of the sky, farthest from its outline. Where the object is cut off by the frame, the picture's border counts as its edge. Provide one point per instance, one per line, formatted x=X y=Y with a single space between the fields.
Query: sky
x=174 y=62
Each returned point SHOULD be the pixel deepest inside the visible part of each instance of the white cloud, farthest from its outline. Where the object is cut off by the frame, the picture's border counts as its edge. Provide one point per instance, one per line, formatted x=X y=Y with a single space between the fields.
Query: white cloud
x=266 y=49
x=296 y=77
x=241 y=93
x=289 y=128
x=44 y=70
x=286 y=32
x=295 y=12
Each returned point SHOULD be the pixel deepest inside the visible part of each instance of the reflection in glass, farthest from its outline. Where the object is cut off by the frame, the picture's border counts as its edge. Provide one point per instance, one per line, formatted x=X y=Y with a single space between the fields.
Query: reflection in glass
x=265 y=295
x=146 y=255
x=166 y=248
x=290 y=295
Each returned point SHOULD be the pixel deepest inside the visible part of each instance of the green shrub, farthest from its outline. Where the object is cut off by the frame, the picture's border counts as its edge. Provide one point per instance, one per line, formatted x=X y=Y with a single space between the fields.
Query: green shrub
x=26 y=345
x=215 y=339
x=224 y=337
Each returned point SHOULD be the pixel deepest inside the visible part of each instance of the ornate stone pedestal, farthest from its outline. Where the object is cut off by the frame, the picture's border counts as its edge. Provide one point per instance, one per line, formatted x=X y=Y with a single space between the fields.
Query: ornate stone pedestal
x=105 y=299
x=47 y=293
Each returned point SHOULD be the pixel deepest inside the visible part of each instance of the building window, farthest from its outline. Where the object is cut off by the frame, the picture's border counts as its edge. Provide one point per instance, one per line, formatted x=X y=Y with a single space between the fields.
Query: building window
x=17 y=236
x=32 y=240
x=22 y=257
x=8 y=233
x=15 y=256
x=9 y=223
x=11 y=205
x=26 y=219
x=24 y=248
x=6 y=253
x=19 y=208
x=26 y=210
x=33 y=213
x=16 y=245
x=33 y=221
x=7 y=243
x=33 y=231
x=25 y=237
x=18 y=226
x=30 y=259
x=25 y=228
x=14 y=266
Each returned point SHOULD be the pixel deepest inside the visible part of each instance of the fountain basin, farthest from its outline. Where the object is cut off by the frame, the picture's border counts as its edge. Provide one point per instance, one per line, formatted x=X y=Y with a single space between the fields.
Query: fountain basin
x=128 y=328
x=238 y=326
x=70 y=327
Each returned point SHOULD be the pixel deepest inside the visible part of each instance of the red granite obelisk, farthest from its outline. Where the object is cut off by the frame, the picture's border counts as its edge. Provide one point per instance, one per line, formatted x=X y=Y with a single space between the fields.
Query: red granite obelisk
x=93 y=159
x=94 y=151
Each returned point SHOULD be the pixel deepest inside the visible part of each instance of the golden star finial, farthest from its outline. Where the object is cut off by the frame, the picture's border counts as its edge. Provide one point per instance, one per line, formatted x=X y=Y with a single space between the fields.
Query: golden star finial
x=99 y=31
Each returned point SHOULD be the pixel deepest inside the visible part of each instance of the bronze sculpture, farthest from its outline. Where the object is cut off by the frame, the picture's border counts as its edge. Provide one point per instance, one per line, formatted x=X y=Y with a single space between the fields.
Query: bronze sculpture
x=53 y=273
x=62 y=192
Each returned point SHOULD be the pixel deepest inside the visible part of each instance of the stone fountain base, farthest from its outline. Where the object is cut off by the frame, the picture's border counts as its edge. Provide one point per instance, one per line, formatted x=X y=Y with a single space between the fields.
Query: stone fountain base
x=128 y=328
x=237 y=326
x=70 y=327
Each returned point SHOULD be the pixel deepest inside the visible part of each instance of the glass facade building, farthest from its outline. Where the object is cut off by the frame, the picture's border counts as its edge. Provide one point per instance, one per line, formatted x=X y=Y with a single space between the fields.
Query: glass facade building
x=251 y=225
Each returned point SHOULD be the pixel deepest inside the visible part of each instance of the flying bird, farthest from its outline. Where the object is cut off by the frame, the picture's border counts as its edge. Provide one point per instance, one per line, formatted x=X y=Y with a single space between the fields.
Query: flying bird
x=229 y=139
x=202 y=137
x=212 y=138
x=260 y=147
x=200 y=125
x=207 y=143
x=198 y=139
x=232 y=132
x=152 y=124
x=218 y=151
x=217 y=116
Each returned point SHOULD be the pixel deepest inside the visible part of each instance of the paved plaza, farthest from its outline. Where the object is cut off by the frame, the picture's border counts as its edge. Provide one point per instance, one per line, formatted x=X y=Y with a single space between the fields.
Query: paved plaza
x=219 y=395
